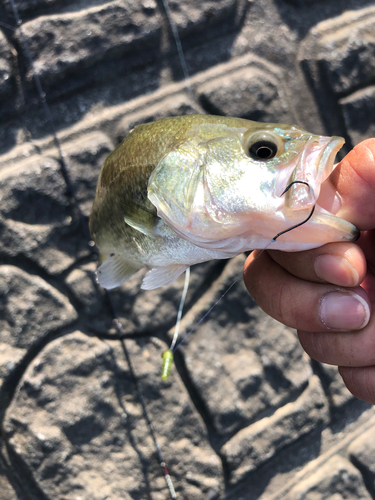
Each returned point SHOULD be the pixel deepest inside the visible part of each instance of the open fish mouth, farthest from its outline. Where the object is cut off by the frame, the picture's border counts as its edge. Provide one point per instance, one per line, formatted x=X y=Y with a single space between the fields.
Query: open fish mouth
x=315 y=163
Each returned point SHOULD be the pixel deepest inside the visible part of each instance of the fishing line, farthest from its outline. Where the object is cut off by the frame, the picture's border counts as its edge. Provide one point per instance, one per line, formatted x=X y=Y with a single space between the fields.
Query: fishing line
x=179 y=49
x=256 y=258
x=167 y=355
x=74 y=201
x=146 y=415
x=179 y=314
x=7 y=26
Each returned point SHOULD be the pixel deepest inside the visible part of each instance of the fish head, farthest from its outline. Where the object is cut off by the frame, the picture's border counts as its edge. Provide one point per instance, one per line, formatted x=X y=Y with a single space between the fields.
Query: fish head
x=235 y=185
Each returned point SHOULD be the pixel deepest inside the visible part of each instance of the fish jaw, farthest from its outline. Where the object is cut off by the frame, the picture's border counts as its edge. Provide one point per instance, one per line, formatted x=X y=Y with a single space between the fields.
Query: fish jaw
x=315 y=164
x=322 y=228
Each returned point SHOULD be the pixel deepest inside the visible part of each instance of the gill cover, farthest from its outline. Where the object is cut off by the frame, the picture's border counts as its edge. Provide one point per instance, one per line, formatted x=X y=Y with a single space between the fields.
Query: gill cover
x=173 y=184
x=190 y=186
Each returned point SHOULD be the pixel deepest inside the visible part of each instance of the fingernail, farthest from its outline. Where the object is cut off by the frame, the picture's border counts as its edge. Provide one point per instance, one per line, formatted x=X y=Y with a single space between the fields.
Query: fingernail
x=336 y=270
x=344 y=311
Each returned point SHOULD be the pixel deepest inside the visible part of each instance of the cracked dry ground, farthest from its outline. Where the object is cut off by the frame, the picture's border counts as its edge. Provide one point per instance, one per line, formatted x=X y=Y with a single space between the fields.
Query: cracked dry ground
x=245 y=414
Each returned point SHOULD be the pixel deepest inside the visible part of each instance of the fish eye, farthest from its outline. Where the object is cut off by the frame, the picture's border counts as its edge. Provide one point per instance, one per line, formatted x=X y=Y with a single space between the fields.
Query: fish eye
x=263 y=150
x=263 y=145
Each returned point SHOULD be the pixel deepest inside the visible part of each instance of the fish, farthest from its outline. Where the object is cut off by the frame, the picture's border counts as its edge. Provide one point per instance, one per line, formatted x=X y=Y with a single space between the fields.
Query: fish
x=187 y=189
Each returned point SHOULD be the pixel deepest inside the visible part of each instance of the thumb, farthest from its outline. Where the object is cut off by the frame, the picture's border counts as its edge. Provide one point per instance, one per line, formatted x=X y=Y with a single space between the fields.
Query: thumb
x=349 y=192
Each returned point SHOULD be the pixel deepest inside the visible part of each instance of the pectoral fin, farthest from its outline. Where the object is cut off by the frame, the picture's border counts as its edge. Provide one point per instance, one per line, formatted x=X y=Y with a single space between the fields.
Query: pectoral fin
x=142 y=220
x=115 y=270
x=146 y=227
x=163 y=275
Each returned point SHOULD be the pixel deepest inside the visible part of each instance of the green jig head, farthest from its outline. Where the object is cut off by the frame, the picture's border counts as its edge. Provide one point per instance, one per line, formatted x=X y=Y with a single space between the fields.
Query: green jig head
x=167 y=364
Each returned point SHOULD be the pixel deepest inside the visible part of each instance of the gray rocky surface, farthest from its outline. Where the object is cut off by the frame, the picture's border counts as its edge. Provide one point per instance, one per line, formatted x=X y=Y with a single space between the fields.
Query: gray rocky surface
x=255 y=378
x=81 y=282
x=254 y=94
x=256 y=444
x=85 y=157
x=358 y=110
x=6 y=490
x=6 y=70
x=245 y=413
x=30 y=309
x=362 y=454
x=337 y=480
x=35 y=216
x=75 y=40
x=336 y=390
x=30 y=6
x=343 y=48
x=76 y=420
x=337 y=56
x=188 y=15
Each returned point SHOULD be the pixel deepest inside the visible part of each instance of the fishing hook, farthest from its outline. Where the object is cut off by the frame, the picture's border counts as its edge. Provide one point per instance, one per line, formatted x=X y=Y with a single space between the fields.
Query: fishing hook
x=304 y=221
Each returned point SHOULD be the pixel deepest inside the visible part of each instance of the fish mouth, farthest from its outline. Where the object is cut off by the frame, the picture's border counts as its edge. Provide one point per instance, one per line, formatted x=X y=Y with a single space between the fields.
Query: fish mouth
x=314 y=165
x=333 y=227
x=327 y=159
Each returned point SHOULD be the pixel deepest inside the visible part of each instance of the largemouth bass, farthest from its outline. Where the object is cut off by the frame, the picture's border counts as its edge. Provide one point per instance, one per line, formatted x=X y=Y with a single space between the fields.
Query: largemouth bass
x=189 y=189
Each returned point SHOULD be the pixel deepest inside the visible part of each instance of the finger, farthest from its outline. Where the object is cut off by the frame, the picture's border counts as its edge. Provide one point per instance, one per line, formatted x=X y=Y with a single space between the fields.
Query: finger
x=368 y=285
x=360 y=382
x=367 y=244
x=342 y=264
x=302 y=304
x=349 y=190
x=352 y=349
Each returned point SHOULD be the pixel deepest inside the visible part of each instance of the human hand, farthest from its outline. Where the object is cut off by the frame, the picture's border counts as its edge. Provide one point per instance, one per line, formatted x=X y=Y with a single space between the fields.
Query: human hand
x=328 y=294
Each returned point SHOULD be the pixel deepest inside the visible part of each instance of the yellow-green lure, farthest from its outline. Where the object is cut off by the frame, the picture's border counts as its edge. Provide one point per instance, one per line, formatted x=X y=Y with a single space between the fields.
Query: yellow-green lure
x=167 y=364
